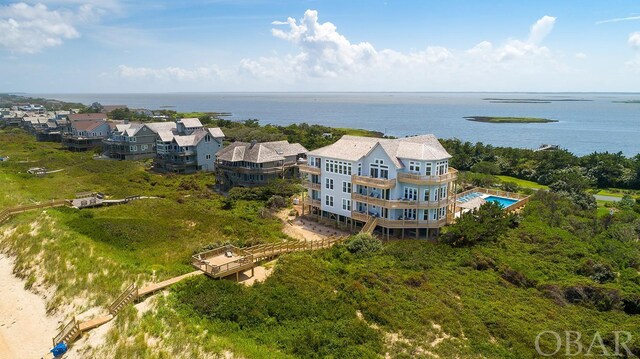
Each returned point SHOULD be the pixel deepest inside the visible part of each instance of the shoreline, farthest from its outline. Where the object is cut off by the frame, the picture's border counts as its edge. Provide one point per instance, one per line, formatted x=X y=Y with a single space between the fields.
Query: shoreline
x=25 y=328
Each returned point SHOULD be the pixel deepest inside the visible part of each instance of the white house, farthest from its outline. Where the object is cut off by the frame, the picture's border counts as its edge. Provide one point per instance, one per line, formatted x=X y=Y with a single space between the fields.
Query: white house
x=401 y=186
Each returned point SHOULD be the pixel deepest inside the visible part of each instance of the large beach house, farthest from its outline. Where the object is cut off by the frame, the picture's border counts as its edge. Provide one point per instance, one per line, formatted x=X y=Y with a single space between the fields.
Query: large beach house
x=87 y=131
x=135 y=141
x=188 y=148
x=250 y=164
x=404 y=187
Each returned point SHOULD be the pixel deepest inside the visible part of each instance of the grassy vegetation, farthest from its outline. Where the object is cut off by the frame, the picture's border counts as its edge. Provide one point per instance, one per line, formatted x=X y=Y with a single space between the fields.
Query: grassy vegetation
x=522 y=183
x=616 y=192
x=110 y=246
x=360 y=132
x=495 y=119
x=559 y=268
x=416 y=298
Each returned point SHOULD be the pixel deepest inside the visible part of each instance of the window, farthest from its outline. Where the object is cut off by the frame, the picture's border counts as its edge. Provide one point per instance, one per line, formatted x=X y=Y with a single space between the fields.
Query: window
x=346 y=187
x=339 y=167
x=359 y=169
x=409 y=214
x=207 y=138
x=442 y=167
x=442 y=212
x=428 y=169
x=426 y=195
x=414 y=166
x=328 y=183
x=443 y=192
x=410 y=193
x=207 y=157
x=346 y=204
x=143 y=147
x=328 y=200
x=133 y=148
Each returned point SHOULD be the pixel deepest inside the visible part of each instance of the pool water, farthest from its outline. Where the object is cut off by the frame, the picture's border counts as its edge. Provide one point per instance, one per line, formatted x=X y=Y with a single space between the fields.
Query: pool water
x=504 y=202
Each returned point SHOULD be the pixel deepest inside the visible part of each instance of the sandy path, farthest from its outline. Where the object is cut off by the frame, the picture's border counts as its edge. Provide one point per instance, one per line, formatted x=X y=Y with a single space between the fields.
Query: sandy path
x=306 y=229
x=25 y=328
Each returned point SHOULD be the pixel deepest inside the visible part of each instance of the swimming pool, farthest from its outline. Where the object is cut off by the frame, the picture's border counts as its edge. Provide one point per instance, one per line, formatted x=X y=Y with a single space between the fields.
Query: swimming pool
x=504 y=202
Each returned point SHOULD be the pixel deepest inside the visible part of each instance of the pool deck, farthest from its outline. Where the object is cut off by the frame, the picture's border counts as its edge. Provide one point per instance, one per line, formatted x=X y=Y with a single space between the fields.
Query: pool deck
x=483 y=193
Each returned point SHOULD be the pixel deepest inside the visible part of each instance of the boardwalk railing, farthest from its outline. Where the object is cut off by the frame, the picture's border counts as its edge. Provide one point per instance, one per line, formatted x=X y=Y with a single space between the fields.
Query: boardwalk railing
x=248 y=257
x=130 y=294
x=7 y=212
x=68 y=333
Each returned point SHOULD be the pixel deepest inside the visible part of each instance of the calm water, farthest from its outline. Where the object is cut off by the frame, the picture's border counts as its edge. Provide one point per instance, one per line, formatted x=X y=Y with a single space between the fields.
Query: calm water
x=599 y=124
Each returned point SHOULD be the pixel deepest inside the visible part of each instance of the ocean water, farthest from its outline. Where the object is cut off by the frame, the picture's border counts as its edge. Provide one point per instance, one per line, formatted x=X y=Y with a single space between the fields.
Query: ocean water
x=588 y=122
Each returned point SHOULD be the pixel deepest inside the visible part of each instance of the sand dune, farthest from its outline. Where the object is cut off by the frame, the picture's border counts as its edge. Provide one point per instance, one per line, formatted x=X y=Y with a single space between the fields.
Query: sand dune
x=25 y=328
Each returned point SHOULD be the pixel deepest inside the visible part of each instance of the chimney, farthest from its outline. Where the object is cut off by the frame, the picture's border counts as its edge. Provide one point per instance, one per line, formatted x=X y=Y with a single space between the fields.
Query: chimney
x=253 y=143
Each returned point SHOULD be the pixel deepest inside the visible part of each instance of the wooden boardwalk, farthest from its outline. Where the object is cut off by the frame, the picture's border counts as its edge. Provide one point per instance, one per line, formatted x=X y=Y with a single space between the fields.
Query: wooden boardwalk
x=229 y=260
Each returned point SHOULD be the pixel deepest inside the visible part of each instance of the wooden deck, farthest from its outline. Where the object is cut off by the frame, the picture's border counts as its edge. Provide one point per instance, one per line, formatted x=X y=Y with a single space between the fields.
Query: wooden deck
x=216 y=264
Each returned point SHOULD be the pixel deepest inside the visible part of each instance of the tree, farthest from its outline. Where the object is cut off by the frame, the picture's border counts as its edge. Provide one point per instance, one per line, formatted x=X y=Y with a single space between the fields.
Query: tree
x=484 y=224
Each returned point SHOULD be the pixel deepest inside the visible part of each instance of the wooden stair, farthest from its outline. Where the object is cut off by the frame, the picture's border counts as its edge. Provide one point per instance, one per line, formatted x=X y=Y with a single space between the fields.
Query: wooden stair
x=370 y=226
x=128 y=296
x=70 y=332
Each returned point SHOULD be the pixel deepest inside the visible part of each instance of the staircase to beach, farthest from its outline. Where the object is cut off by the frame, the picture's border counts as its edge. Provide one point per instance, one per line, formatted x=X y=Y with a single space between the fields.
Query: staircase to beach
x=370 y=225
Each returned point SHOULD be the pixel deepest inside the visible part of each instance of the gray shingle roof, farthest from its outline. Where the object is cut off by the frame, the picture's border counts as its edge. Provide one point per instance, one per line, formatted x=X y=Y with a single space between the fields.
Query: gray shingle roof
x=260 y=152
x=353 y=148
x=190 y=122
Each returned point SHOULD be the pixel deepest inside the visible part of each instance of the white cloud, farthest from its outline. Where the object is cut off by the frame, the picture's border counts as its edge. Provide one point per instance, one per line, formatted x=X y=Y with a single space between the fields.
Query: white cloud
x=634 y=40
x=30 y=28
x=581 y=55
x=170 y=73
x=541 y=29
x=324 y=51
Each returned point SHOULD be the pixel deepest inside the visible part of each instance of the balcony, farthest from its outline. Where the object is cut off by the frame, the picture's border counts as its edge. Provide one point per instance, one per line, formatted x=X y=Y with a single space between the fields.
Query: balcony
x=250 y=170
x=311 y=185
x=309 y=169
x=401 y=203
x=382 y=183
x=428 y=180
x=311 y=202
x=404 y=223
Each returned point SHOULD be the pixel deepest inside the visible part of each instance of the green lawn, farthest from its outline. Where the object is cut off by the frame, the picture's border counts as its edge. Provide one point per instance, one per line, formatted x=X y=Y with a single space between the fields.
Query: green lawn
x=360 y=132
x=522 y=183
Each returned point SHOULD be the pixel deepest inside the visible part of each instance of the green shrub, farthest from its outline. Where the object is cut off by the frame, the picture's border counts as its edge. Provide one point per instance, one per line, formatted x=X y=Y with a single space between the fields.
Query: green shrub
x=364 y=244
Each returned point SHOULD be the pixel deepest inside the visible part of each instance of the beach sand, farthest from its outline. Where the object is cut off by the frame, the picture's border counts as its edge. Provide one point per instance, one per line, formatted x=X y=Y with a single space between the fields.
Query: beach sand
x=25 y=328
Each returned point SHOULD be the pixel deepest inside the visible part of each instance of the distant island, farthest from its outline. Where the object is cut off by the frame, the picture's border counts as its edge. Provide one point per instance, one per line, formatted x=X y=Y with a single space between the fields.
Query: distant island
x=627 y=101
x=532 y=100
x=492 y=119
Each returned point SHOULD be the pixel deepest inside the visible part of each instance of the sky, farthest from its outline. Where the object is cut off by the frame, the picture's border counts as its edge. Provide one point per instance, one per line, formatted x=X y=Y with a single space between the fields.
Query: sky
x=125 y=46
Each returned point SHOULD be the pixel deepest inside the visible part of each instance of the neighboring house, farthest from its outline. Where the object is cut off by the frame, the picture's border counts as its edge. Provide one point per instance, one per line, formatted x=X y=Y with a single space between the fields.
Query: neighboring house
x=402 y=186
x=87 y=131
x=34 y=124
x=254 y=164
x=135 y=141
x=14 y=118
x=188 y=148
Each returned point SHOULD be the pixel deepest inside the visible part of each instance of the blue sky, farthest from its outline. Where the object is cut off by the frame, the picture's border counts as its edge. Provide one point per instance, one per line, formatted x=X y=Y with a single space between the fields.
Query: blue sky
x=75 y=46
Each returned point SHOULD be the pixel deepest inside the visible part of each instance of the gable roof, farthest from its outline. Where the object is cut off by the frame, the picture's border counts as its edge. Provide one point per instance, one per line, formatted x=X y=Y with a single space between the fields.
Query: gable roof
x=190 y=122
x=87 y=116
x=353 y=148
x=87 y=125
x=260 y=152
